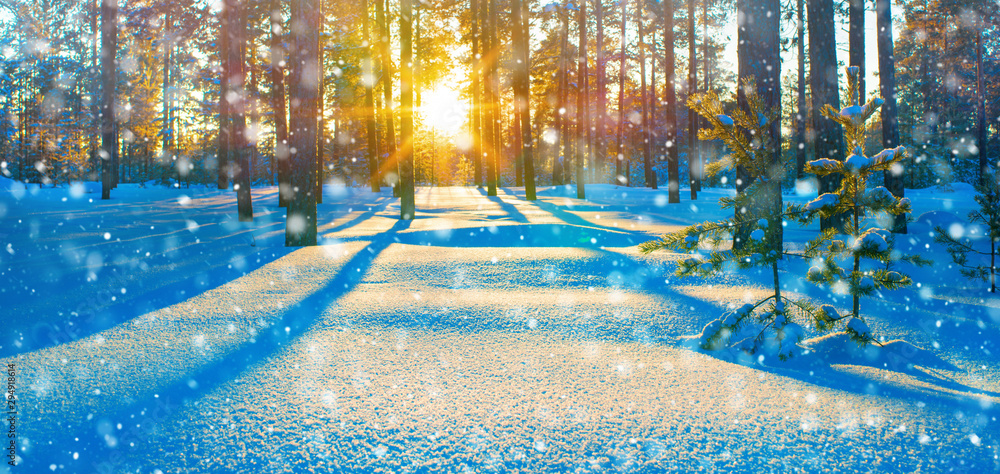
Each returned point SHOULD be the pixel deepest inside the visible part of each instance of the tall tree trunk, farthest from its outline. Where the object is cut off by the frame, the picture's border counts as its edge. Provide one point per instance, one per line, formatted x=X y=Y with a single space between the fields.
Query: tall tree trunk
x=281 y=154
x=829 y=141
x=527 y=141
x=369 y=72
x=670 y=109
x=647 y=165
x=496 y=110
x=300 y=227
x=887 y=86
x=600 y=148
x=109 y=135
x=694 y=159
x=856 y=45
x=560 y=163
x=489 y=111
x=320 y=116
x=521 y=105
x=758 y=58
x=477 y=100
x=620 y=178
x=800 y=117
x=167 y=128
x=391 y=164
x=407 y=206
x=981 y=142
x=225 y=113
x=583 y=124
x=235 y=10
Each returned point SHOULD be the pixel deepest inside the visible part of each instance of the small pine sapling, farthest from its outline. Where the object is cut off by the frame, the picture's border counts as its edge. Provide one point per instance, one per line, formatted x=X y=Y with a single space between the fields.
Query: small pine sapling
x=771 y=325
x=865 y=241
x=960 y=248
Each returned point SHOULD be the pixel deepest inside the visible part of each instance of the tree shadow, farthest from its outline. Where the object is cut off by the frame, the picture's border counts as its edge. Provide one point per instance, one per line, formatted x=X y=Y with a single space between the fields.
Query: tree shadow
x=166 y=400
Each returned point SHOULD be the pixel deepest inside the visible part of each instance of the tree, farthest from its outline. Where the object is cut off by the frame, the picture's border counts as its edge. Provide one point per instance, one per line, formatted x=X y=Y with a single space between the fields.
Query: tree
x=371 y=153
x=647 y=159
x=391 y=164
x=887 y=88
x=109 y=136
x=583 y=117
x=868 y=242
x=278 y=108
x=694 y=159
x=856 y=41
x=407 y=208
x=959 y=248
x=300 y=227
x=522 y=94
x=823 y=82
x=619 y=147
x=235 y=95
x=774 y=324
x=670 y=111
x=800 y=97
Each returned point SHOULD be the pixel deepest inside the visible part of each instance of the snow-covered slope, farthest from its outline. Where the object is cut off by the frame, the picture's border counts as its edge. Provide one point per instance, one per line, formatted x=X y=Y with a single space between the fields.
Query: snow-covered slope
x=154 y=331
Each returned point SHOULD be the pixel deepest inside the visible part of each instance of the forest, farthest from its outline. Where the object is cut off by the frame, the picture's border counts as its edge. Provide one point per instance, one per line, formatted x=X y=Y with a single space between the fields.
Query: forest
x=405 y=93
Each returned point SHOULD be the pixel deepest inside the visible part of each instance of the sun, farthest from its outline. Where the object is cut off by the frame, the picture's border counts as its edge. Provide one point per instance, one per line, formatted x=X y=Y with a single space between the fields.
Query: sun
x=443 y=109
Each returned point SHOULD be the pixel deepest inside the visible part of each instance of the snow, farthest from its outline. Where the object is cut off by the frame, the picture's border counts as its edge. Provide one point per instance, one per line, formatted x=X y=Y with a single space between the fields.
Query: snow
x=874 y=239
x=824 y=163
x=488 y=334
x=856 y=162
x=725 y=120
x=823 y=200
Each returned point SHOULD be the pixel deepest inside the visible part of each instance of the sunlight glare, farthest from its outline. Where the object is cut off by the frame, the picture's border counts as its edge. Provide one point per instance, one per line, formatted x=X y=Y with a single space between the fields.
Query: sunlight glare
x=443 y=110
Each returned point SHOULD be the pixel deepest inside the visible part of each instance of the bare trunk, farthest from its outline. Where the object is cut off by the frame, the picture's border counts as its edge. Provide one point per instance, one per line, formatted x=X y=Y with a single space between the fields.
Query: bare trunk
x=800 y=118
x=856 y=35
x=583 y=124
x=371 y=153
x=823 y=69
x=887 y=86
x=300 y=228
x=620 y=148
x=694 y=159
x=407 y=207
x=109 y=136
x=670 y=107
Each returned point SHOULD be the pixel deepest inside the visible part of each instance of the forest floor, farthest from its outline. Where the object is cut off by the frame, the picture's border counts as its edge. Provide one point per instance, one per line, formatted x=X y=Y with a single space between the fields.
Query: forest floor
x=155 y=332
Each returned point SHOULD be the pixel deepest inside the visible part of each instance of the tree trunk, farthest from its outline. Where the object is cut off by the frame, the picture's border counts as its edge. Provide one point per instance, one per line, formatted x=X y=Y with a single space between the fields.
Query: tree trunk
x=829 y=140
x=109 y=139
x=407 y=207
x=583 y=124
x=981 y=141
x=670 y=109
x=300 y=227
x=489 y=110
x=620 y=148
x=391 y=164
x=369 y=72
x=320 y=117
x=758 y=32
x=600 y=148
x=522 y=49
x=856 y=35
x=694 y=159
x=887 y=86
x=281 y=155
x=167 y=128
x=225 y=114
x=647 y=165
x=800 y=117
x=235 y=10
x=559 y=164
x=477 y=100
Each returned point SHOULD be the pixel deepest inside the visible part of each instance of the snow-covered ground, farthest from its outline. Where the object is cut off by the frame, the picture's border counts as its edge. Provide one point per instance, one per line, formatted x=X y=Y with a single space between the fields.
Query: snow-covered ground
x=154 y=331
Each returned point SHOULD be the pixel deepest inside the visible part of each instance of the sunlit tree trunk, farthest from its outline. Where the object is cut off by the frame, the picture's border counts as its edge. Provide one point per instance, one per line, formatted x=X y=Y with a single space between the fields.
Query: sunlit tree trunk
x=320 y=117
x=235 y=10
x=300 y=227
x=477 y=100
x=583 y=124
x=620 y=178
x=561 y=161
x=391 y=164
x=670 y=109
x=278 y=106
x=647 y=169
x=407 y=208
x=167 y=128
x=372 y=152
x=887 y=88
x=981 y=142
x=829 y=141
x=600 y=148
x=694 y=158
x=489 y=99
x=225 y=108
x=497 y=97
x=521 y=103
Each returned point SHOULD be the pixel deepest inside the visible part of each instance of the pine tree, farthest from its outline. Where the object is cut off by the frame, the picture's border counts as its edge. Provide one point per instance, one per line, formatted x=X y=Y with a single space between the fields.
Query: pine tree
x=866 y=241
x=773 y=325
x=988 y=214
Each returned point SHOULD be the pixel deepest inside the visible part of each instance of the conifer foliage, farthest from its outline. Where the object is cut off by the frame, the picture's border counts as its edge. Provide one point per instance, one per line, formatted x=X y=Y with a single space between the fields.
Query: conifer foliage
x=772 y=325
x=959 y=248
x=866 y=247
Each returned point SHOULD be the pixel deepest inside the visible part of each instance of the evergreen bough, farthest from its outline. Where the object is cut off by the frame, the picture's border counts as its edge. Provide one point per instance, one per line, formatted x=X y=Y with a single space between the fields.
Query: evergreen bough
x=988 y=214
x=867 y=248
